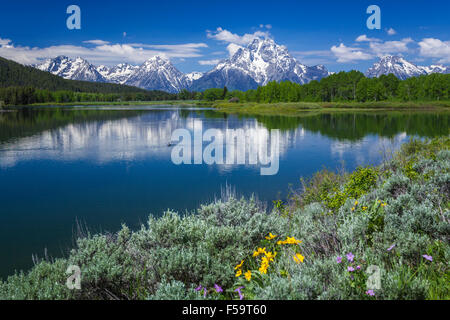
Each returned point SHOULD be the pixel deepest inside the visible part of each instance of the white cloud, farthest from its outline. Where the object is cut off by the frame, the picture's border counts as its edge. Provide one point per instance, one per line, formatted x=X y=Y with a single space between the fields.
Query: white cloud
x=226 y=36
x=96 y=42
x=390 y=47
x=267 y=26
x=347 y=54
x=391 y=31
x=375 y=47
x=209 y=62
x=4 y=42
x=314 y=57
x=232 y=48
x=435 y=48
x=364 y=38
x=101 y=53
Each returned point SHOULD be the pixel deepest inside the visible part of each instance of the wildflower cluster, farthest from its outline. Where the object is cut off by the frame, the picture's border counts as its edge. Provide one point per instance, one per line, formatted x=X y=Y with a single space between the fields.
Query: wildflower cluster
x=217 y=289
x=266 y=258
x=263 y=257
x=364 y=208
x=354 y=269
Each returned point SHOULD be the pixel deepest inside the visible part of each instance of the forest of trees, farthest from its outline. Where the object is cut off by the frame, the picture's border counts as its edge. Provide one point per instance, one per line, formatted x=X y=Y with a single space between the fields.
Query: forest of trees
x=15 y=96
x=344 y=87
x=21 y=85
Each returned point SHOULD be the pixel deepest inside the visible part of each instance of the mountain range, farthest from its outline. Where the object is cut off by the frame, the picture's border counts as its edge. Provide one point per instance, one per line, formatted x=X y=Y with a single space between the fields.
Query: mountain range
x=401 y=68
x=257 y=64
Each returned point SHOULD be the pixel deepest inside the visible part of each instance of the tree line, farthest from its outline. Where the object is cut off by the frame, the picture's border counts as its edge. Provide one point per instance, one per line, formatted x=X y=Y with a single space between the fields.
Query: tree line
x=28 y=95
x=343 y=87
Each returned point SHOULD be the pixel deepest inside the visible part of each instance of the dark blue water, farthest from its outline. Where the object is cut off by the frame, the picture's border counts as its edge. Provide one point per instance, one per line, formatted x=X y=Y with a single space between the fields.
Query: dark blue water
x=108 y=167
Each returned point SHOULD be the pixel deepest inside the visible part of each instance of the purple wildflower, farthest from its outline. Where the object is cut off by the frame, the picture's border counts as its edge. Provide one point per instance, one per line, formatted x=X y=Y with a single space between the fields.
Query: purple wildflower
x=218 y=288
x=350 y=269
x=238 y=290
x=370 y=293
x=204 y=290
x=350 y=257
x=339 y=259
x=199 y=288
x=358 y=267
x=391 y=247
x=429 y=258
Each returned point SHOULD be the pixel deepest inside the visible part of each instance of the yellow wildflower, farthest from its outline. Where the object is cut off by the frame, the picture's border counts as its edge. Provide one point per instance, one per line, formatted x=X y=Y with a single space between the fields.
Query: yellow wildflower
x=270 y=236
x=289 y=240
x=248 y=275
x=384 y=204
x=263 y=268
x=270 y=256
x=364 y=208
x=299 y=258
x=353 y=209
x=356 y=203
x=259 y=251
x=292 y=240
x=239 y=273
x=239 y=265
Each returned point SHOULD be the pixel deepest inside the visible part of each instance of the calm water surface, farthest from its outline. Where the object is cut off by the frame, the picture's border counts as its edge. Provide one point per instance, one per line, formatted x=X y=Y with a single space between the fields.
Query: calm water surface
x=109 y=166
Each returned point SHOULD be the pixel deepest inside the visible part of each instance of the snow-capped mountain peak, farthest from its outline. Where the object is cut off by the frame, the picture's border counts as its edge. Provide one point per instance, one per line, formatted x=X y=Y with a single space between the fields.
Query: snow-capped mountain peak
x=157 y=73
x=260 y=62
x=193 y=75
x=78 y=69
x=437 y=69
x=117 y=74
x=401 y=68
x=189 y=78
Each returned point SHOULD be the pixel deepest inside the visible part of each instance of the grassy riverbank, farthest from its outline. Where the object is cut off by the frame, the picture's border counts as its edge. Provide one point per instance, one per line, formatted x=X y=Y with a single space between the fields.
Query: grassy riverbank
x=318 y=245
x=187 y=103
x=299 y=108
x=293 y=108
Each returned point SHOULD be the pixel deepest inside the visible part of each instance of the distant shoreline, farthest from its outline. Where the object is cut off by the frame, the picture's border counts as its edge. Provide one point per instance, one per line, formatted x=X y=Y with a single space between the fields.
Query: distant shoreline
x=116 y=103
x=299 y=108
x=280 y=109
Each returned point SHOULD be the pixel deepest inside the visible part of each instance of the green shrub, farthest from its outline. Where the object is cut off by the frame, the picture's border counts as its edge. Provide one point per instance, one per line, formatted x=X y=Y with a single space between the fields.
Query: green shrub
x=358 y=183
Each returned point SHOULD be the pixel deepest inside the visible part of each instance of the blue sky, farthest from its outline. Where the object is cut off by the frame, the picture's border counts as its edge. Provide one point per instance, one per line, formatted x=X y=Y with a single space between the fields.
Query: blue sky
x=186 y=32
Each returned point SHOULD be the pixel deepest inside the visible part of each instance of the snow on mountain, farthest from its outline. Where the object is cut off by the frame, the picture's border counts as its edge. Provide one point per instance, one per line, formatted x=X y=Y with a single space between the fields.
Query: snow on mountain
x=437 y=69
x=260 y=62
x=155 y=74
x=257 y=64
x=190 y=77
x=117 y=74
x=78 y=69
x=158 y=73
x=401 y=68
x=103 y=70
